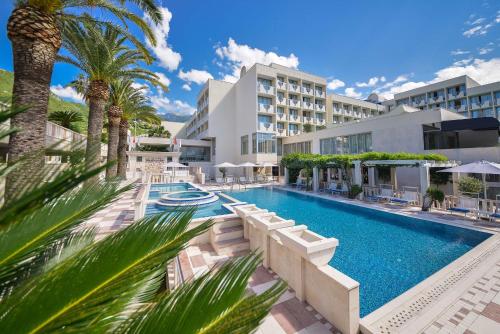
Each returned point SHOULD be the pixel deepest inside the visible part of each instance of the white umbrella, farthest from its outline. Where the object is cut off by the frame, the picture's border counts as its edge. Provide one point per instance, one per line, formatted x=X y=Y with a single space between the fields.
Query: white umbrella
x=174 y=165
x=225 y=165
x=476 y=167
x=267 y=164
x=247 y=164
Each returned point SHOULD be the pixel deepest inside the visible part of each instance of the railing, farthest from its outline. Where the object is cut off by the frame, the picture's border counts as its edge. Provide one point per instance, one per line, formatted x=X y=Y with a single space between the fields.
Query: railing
x=265 y=89
x=294 y=118
x=294 y=132
x=450 y=201
x=320 y=121
x=267 y=127
x=268 y=108
x=281 y=117
x=294 y=103
x=281 y=132
x=294 y=87
x=320 y=107
x=308 y=120
x=308 y=91
x=140 y=201
x=486 y=104
x=307 y=105
x=319 y=93
x=281 y=100
x=281 y=85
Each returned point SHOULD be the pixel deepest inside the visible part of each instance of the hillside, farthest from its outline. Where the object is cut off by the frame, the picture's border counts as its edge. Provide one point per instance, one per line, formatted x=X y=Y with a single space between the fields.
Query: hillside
x=174 y=118
x=55 y=102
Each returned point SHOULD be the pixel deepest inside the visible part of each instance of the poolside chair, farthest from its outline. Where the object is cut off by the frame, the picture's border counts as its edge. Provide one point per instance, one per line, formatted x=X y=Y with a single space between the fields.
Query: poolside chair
x=260 y=179
x=269 y=179
x=242 y=180
x=409 y=195
x=298 y=184
x=466 y=204
x=494 y=216
x=340 y=189
x=219 y=181
x=386 y=192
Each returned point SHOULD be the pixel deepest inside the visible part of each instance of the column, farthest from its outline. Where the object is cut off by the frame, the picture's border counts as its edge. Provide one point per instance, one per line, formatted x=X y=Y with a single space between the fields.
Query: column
x=315 y=179
x=371 y=176
x=358 y=178
x=424 y=179
x=286 y=176
x=328 y=175
x=394 y=178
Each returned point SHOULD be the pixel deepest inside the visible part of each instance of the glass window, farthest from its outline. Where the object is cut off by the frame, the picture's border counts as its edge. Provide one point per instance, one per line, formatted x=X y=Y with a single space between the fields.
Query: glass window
x=358 y=143
x=244 y=145
x=265 y=100
x=263 y=143
x=302 y=147
x=194 y=153
x=265 y=82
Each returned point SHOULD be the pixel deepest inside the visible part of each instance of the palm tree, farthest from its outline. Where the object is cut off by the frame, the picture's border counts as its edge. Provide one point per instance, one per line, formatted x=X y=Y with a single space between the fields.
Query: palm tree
x=35 y=30
x=102 y=55
x=54 y=276
x=158 y=131
x=67 y=119
x=139 y=111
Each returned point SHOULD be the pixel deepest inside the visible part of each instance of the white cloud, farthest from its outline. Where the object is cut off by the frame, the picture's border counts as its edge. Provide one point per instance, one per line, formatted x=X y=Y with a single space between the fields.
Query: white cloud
x=67 y=93
x=197 y=76
x=334 y=84
x=459 y=52
x=186 y=87
x=485 y=50
x=168 y=58
x=476 y=21
x=164 y=105
x=463 y=61
x=479 y=27
x=237 y=55
x=162 y=78
x=483 y=71
x=351 y=92
x=372 y=82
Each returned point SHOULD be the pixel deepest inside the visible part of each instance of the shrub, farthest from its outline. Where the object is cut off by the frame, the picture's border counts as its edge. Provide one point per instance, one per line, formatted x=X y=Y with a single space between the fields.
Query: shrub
x=355 y=190
x=307 y=128
x=470 y=185
x=432 y=196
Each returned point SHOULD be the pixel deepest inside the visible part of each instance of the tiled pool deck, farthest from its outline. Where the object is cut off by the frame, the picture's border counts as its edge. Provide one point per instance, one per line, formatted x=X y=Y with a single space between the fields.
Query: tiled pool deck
x=472 y=306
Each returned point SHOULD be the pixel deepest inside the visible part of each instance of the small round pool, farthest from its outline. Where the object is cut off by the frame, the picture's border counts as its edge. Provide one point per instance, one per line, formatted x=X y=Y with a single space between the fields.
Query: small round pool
x=185 y=198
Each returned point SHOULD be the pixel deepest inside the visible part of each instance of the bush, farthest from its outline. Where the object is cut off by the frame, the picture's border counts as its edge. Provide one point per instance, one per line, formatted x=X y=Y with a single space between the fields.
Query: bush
x=355 y=191
x=431 y=196
x=307 y=128
x=470 y=185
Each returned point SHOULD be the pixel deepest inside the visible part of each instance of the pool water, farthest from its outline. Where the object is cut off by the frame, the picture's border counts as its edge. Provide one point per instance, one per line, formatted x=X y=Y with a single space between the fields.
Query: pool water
x=387 y=253
x=156 y=190
x=190 y=194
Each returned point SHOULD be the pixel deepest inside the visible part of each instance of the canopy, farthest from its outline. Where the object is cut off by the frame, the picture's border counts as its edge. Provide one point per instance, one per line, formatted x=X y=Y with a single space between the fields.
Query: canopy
x=247 y=164
x=477 y=167
x=173 y=164
x=225 y=165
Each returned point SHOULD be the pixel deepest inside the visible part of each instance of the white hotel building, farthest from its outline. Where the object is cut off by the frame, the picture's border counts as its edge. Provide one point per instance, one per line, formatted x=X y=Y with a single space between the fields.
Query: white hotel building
x=274 y=110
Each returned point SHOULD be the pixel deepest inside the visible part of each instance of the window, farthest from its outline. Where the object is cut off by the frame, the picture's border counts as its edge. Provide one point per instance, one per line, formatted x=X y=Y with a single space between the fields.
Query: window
x=244 y=145
x=302 y=147
x=265 y=100
x=263 y=143
x=265 y=82
x=194 y=153
x=138 y=159
x=353 y=144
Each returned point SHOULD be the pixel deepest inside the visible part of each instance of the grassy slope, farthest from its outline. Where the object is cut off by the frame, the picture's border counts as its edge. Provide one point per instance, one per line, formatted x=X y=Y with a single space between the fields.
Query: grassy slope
x=55 y=102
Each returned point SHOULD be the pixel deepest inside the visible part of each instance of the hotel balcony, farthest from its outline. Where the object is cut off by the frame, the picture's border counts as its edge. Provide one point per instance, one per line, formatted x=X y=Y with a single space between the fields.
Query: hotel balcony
x=294 y=88
x=294 y=103
x=486 y=104
x=281 y=117
x=320 y=121
x=462 y=108
x=281 y=132
x=281 y=101
x=308 y=120
x=457 y=96
x=293 y=132
x=497 y=102
x=337 y=111
x=264 y=89
x=281 y=85
x=307 y=105
x=265 y=108
x=267 y=127
x=420 y=103
x=474 y=105
x=320 y=93
x=294 y=118
x=307 y=91
x=320 y=107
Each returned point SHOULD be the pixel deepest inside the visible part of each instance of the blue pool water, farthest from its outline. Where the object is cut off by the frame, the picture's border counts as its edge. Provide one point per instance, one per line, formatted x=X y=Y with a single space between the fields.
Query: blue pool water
x=387 y=253
x=205 y=210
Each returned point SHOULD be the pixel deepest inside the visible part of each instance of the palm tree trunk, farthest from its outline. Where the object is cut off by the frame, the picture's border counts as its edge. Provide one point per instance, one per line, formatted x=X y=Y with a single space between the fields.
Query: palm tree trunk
x=35 y=42
x=114 y=117
x=122 y=149
x=98 y=95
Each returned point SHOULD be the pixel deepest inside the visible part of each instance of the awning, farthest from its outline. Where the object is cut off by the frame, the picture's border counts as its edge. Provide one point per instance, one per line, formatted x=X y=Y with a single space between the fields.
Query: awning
x=474 y=124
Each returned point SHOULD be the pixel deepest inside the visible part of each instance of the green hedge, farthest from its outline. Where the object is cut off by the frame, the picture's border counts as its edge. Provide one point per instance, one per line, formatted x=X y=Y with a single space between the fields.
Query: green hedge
x=309 y=160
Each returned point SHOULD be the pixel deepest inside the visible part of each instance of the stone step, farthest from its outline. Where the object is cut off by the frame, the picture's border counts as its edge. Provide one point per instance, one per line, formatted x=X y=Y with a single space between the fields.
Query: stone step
x=232 y=246
x=227 y=233
x=229 y=222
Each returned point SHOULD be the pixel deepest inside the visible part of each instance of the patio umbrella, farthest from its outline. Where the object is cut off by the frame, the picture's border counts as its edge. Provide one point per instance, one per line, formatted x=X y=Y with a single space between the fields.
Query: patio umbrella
x=225 y=165
x=174 y=166
x=246 y=165
x=476 y=167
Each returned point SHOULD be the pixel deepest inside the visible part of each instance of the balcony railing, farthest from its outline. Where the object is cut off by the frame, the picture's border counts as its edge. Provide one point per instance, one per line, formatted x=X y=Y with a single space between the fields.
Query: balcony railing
x=308 y=120
x=281 y=117
x=265 y=89
x=462 y=108
x=337 y=111
x=281 y=85
x=294 y=132
x=320 y=93
x=308 y=91
x=319 y=107
x=497 y=102
x=268 y=127
x=281 y=132
x=267 y=108
x=294 y=88
x=307 y=105
x=486 y=104
x=294 y=103
x=320 y=121
x=294 y=118
x=281 y=101
x=475 y=105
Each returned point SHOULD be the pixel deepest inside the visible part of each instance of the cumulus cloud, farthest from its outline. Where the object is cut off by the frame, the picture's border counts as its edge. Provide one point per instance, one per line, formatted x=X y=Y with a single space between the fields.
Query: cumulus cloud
x=479 y=27
x=335 y=84
x=162 y=78
x=459 y=52
x=372 y=82
x=67 y=93
x=168 y=58
x=165 y=105
x=236 y=55
x=483 y=71
x=197 y=76
x=186 y=87
x=351 y=92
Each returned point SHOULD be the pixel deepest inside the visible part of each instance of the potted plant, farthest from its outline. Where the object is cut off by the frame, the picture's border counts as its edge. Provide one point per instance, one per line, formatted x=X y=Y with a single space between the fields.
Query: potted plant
x=354 y=191
x=432 y=196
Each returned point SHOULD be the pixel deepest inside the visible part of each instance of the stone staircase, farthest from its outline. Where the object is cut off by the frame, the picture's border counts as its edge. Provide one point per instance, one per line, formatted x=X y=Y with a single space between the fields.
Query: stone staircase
x=226 y=237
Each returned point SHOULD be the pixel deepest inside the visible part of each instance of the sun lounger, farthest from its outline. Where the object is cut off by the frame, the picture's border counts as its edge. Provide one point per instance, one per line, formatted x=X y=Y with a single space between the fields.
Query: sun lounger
x=339 y=189
x=219 y=181
x=386 y=192
x=409 y=195
x=466 y=205
x=496 y=214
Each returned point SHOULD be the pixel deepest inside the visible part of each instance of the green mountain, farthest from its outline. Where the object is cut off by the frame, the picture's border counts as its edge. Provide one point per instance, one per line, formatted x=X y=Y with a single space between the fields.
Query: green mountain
x=55 y=102
x=171 y=117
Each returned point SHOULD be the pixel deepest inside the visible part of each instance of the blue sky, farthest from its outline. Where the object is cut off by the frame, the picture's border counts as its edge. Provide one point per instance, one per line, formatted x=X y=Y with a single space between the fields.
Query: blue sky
x=359 y=46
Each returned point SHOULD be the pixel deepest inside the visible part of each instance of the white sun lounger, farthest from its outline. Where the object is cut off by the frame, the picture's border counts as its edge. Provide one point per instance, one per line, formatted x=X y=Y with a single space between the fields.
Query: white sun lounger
x=466 y=204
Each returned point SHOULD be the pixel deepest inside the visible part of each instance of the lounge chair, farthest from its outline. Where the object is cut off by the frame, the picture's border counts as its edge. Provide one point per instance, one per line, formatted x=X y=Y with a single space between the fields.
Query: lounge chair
x=409 y=195
x=242 y=180
x=386 y=192
x=494 y=216
x=260 y=179
x=298 y=184
x=340 y=189
x=269 y=179
x=219 y=181
x=466 y=204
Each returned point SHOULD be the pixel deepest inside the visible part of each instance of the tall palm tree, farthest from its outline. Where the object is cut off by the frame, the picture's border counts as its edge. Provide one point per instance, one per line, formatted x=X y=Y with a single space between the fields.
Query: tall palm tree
x=103 y=56
x=139 y=111
x=67 y=118
x=35 y=30
x=158 y=131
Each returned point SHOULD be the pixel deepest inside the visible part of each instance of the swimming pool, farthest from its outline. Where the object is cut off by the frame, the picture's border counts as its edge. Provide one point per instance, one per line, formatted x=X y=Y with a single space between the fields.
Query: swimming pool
x=387 y=253
x=204 y=210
